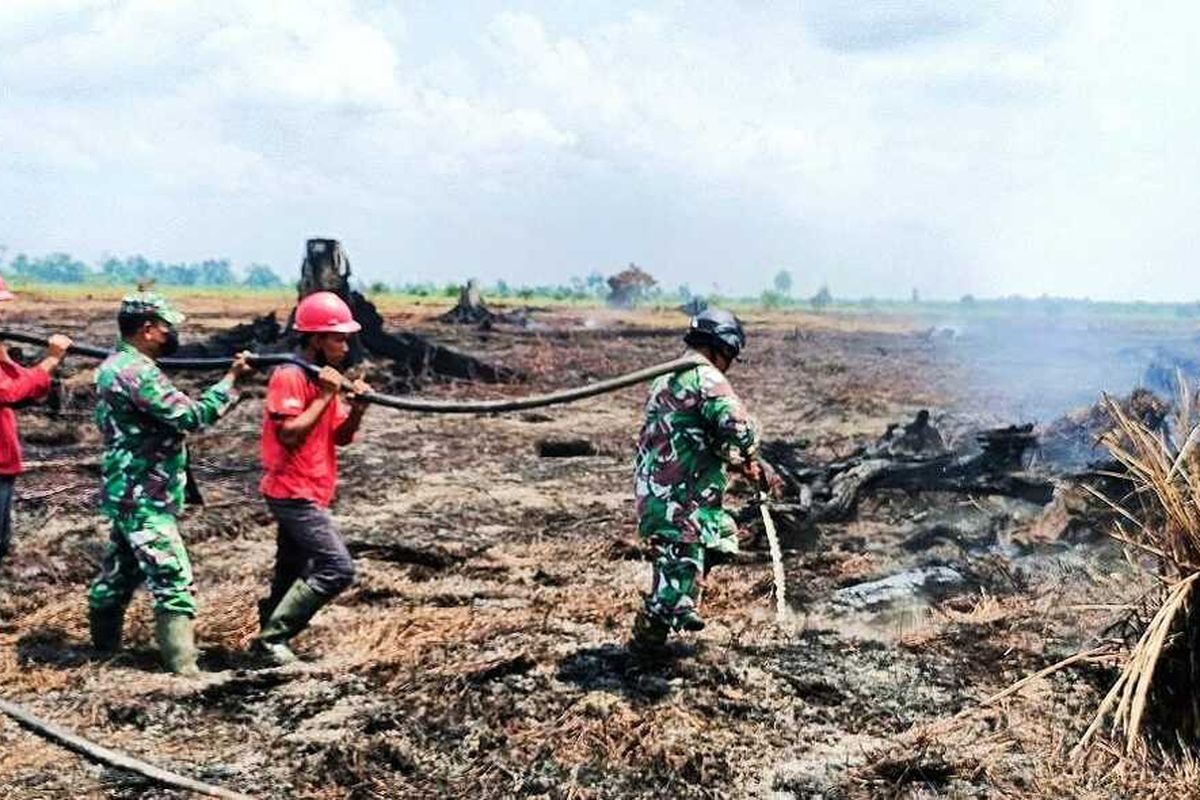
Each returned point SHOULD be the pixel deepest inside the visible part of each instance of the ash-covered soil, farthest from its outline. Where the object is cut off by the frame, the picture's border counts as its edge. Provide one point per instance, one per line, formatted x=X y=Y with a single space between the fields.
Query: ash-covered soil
x=481 y=651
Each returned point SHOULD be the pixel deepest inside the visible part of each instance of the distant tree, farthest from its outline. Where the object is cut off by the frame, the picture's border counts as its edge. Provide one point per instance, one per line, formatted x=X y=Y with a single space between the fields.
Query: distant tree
x=260 y=276
x=116 y=270
x=783 y=282
x=596 y=285
x=378 y=287
x=141 y=268
x=916 y=295
x=629 y=286
x=54 y=268
x=64 y=269
x=502 y=289
x=772 y=300
x=967 y=300
x=215 y=272
x=822 y=299
x=1050 y=306
x=176 y=274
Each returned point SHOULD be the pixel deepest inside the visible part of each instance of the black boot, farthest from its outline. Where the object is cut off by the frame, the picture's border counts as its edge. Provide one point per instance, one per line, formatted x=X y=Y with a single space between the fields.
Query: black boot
x=266 y=607
x=106 y=626
x=649 y=635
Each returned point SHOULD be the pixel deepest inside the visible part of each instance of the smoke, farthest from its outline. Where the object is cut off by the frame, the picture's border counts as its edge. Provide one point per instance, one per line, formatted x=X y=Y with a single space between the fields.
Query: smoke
x=1034 y=369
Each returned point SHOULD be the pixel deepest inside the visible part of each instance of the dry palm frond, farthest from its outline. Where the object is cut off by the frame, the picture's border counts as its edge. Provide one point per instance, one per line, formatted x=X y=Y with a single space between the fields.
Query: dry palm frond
x=1158 y=515
x=1126 y=700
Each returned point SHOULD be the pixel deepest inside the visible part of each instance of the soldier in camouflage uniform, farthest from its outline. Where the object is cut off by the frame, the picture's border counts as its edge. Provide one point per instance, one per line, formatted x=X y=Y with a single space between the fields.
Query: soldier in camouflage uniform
x=144 y=420
x=695 y=426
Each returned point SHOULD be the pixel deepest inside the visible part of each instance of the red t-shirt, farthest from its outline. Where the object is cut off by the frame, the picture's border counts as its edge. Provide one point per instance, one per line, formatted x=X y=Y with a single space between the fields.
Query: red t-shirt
x=17 y=384
x=310 y=471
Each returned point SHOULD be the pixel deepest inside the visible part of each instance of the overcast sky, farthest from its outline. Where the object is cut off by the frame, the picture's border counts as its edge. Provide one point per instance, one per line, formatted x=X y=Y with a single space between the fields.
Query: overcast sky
x=991 y=148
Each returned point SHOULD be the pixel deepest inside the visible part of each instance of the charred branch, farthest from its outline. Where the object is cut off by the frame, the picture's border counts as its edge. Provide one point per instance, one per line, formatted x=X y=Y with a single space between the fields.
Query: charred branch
x=912 y=457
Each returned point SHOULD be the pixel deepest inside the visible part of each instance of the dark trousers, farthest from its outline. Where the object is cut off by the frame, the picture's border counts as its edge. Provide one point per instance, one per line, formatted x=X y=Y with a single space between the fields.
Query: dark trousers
x=6 y=502
x=308 y=547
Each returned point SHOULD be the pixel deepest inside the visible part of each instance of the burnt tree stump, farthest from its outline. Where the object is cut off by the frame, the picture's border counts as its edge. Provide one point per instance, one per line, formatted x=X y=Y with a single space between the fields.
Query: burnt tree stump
x=327 y=268
x=470 y=309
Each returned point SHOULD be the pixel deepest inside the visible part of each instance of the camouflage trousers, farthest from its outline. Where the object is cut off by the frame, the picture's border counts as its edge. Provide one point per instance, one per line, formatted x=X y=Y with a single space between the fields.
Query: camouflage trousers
x=679 y=572
x=145 y=545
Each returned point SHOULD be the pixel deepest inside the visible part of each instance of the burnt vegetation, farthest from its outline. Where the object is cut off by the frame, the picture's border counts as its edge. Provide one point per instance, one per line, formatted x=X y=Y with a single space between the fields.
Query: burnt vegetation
x=937 y=551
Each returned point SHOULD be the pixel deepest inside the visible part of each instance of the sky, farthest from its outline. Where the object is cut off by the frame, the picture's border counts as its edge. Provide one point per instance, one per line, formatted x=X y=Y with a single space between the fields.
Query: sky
x=990 y=148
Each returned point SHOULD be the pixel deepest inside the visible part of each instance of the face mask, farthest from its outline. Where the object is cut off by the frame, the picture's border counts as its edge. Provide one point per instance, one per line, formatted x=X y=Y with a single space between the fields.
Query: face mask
x=171 y=344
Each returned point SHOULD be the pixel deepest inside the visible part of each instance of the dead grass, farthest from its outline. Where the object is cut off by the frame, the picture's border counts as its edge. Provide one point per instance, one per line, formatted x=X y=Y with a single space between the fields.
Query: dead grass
x=229 y=616
x=1164 y=522
x=456 y=675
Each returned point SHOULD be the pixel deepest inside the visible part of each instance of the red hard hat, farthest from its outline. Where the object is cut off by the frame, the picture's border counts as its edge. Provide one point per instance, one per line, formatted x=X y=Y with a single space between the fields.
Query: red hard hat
x=5 y=294
x=325 y=312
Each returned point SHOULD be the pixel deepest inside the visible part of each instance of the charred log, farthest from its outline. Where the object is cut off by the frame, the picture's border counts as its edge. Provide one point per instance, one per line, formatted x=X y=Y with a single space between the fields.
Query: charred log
x=1071 y=442
x=566 y=448
x=414 y=356
x=912 y=457
x=262 y=335
x=326 y=268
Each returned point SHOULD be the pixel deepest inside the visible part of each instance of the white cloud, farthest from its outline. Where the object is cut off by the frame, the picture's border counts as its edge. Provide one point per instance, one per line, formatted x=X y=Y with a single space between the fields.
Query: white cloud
x=1017 y=146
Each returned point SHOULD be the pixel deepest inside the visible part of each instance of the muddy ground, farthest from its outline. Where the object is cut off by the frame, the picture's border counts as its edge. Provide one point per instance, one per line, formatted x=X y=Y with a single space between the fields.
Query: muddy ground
x=481 y=651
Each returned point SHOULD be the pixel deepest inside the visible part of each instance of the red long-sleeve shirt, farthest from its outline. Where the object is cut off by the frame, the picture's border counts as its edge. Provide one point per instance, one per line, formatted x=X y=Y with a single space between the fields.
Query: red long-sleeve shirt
x=17 y=384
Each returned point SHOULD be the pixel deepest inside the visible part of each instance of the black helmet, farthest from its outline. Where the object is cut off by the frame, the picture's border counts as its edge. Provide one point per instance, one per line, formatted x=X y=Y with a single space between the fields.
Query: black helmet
x=716 y=327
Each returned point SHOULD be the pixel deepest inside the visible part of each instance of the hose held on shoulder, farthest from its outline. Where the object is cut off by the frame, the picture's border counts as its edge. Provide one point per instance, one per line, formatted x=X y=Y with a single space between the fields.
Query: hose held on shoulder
x=414 y=404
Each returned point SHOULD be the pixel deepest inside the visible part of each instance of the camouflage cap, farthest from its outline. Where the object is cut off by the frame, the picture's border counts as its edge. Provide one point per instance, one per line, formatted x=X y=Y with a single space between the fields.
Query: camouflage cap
x=151 y=305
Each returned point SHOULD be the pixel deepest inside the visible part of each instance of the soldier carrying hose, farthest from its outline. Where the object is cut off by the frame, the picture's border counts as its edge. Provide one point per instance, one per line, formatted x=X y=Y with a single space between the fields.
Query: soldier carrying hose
x=304 y=422
x=144 y=420
x=695 y=426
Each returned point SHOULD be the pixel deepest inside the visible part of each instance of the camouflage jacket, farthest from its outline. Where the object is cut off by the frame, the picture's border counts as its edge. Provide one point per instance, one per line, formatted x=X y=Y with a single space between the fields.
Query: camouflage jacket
x=695 y=425
x=144 y=420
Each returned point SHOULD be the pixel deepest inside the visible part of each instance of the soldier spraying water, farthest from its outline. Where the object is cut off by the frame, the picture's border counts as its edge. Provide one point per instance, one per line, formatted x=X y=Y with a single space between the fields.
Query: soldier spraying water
x=695 y=428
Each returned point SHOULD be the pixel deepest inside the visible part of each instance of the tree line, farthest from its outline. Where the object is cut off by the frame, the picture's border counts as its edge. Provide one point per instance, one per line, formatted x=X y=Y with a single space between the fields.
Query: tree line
x=62 y=268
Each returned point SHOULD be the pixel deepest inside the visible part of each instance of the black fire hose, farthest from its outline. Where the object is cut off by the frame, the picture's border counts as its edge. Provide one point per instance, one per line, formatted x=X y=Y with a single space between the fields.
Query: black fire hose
x=407 y=403
x=213 y=363
x=112 y=758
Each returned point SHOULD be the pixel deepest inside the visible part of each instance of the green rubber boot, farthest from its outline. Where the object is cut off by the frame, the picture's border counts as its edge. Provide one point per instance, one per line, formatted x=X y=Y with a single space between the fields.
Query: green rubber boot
x=176 y=634
x=291 y=616
x=106 y=626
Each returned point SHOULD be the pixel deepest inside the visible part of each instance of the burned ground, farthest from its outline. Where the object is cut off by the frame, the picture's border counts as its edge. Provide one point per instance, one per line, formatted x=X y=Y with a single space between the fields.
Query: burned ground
x=480 y=651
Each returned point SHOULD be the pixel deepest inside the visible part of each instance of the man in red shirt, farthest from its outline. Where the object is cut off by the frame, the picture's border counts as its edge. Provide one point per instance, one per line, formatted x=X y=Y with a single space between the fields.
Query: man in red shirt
x=18 y=385
x=304 y=421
